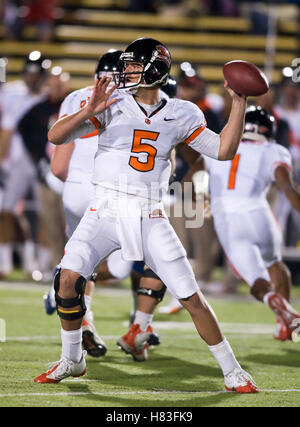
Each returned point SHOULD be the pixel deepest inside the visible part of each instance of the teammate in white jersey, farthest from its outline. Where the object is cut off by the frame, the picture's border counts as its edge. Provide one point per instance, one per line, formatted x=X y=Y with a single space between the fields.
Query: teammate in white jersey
x=17 y=169
x=131 y=173
x=245 y=225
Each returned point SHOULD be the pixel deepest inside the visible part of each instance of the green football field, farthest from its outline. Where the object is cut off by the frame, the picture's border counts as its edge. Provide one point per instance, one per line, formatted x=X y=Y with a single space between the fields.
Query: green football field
x=179 y=373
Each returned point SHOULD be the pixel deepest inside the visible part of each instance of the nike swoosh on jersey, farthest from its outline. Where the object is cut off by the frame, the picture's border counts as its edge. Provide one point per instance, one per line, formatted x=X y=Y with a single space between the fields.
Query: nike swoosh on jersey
x=168 y=120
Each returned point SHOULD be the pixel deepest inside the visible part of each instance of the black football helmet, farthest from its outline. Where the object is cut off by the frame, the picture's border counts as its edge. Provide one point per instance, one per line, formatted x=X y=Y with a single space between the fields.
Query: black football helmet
x=259 y=124
x=34 y=63
x=109 y=64
x=153 y=56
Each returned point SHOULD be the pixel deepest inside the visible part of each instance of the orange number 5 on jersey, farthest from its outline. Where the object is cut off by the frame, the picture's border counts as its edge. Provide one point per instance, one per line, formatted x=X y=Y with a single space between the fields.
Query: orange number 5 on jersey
x=139 y=147
x=233 y=171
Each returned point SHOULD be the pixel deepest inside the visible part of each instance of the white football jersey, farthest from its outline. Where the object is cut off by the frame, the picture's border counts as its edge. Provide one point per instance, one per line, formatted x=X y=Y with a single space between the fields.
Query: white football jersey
x=82 y=160
x=16 y=99
x=243 y=183
x=134 y=150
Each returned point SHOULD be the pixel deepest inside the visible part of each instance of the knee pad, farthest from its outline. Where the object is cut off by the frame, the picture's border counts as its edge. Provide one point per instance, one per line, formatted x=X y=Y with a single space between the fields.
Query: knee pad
x=150 y=273
x=62 y=303
x=158 y=295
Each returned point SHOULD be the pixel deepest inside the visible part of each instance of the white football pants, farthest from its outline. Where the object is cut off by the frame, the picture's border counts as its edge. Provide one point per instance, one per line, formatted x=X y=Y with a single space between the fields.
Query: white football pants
x=76 y=198
x=96 y=238
x=251 y=241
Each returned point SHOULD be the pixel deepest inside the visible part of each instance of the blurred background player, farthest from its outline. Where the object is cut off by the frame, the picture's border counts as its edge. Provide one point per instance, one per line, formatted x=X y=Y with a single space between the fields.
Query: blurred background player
x=244 y=222
x=17 y=169
x=47 y=220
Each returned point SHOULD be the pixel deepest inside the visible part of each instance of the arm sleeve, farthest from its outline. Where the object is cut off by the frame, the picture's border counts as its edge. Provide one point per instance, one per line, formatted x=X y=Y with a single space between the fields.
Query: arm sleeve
x=67 y=107
x=280 y=157
x=196 y=134
x=71 y=104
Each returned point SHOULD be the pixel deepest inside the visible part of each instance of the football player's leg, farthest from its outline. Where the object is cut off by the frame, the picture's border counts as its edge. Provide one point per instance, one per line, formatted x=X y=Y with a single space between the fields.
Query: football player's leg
x=245 y=256
x=281 y=278
x=135 y=277
x=166 y=256
x=150 y=292
x=271 y=253
x=93 y=240
x=114 y=267
x=76 y=198
x=15 y=185
x=7 y=238
x=91 y=340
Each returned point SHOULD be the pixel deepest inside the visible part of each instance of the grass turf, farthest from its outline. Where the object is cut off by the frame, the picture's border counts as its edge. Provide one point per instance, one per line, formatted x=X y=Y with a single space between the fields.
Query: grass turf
x=179 y=373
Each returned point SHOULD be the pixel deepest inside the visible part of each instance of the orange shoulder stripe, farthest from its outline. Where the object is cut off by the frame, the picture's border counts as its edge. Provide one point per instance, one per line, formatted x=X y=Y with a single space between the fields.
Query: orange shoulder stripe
x=89 y=135
x=95 y=122
x=195 y=134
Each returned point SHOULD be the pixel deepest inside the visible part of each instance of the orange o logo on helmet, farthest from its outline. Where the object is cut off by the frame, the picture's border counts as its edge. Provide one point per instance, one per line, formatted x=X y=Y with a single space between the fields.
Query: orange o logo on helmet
x=163 y=54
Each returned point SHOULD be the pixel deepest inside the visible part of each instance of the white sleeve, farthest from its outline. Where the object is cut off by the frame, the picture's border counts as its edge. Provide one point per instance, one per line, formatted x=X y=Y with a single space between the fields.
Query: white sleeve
x=207 y=162
x=195 y=133
x=72 y=104
x=280 y=157
x=84 y=129
x=67 y=106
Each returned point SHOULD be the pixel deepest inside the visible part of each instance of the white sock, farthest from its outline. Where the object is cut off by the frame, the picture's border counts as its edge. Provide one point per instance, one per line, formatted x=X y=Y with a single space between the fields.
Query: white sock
x=267 y=296
x=88 y=302
x=71 y=344
x=282 y=300
x=143 y=319
x=223 y=354
x=6 y=258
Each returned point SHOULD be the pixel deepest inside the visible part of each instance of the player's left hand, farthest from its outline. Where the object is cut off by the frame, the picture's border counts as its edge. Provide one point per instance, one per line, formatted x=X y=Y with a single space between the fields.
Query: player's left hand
x=100 y=101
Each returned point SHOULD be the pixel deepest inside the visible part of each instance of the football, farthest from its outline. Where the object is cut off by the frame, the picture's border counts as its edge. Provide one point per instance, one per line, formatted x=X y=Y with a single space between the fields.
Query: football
x=245 y=78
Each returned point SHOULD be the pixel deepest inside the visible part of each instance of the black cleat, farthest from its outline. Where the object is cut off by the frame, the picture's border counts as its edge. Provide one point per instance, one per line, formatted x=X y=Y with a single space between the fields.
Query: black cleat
x=92 y=347
x=154 y=339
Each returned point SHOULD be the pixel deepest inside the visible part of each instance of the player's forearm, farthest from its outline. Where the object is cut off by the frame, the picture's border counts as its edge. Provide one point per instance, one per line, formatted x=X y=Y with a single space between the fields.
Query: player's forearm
x=62 y=131
x=231 y=135
x=293 y=195
x=61 y=160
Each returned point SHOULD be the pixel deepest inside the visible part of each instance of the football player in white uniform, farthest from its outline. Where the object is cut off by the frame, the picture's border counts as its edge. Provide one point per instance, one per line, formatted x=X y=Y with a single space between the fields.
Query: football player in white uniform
x=17 y=169
x=131 y=173
x=245 y=225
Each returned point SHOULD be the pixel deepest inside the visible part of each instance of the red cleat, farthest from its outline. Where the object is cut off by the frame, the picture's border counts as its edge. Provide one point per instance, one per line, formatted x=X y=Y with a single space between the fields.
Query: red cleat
x=239 y=381
x=284 y=312
x=62 y=369
x=135 y=342
x=281 y=332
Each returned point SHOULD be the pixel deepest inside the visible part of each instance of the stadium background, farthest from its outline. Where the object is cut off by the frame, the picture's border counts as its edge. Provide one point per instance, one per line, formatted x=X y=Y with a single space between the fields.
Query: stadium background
x=201 y=35
x=72 y=34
